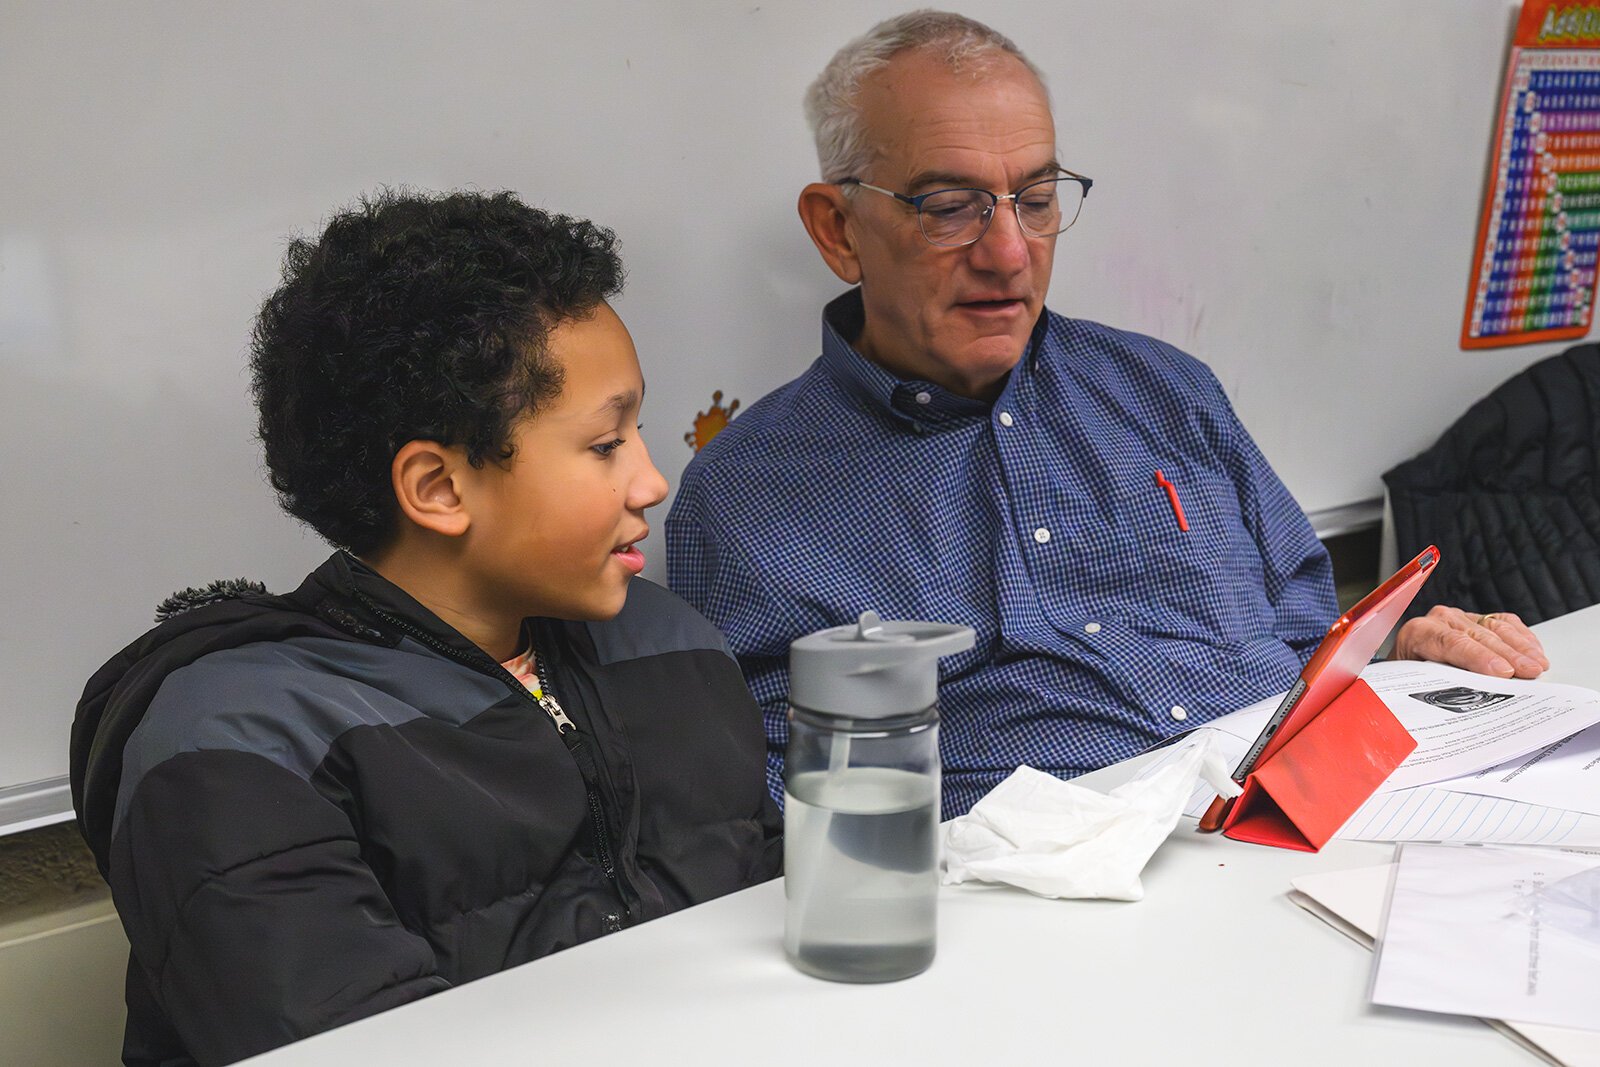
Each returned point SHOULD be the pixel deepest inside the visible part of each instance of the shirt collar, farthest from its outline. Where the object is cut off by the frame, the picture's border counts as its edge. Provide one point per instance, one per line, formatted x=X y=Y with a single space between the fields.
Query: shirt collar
x=921 y=405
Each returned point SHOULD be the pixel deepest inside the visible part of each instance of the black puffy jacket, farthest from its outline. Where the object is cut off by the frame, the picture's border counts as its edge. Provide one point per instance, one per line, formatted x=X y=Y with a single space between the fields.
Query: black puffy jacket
x=316 y=806
x=1509 y=494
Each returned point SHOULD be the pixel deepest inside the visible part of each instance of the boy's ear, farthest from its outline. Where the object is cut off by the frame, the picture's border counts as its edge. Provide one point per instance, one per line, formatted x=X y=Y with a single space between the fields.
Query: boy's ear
x=427 y=478
x=825 y=212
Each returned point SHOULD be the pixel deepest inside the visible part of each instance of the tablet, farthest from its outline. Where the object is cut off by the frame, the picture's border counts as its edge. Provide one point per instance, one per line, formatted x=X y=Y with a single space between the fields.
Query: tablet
x=1348 y=647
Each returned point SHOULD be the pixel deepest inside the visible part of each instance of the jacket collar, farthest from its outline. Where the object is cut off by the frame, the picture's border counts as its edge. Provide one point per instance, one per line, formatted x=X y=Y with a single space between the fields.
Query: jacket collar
x=352 y=596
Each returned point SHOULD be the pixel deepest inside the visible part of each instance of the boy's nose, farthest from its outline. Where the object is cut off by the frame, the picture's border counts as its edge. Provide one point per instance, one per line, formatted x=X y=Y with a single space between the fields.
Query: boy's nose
x=649 y=484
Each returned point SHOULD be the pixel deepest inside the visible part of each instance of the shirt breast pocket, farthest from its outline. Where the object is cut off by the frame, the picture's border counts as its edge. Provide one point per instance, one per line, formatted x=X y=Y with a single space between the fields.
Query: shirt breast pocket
x=1200 y=559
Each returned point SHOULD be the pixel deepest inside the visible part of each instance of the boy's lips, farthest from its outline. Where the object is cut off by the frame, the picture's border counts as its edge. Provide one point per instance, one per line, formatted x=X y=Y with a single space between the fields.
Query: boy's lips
x=630 y=556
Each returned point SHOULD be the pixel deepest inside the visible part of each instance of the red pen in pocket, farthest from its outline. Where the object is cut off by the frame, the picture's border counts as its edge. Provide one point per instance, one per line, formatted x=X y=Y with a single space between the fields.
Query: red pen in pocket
x=1172 y=495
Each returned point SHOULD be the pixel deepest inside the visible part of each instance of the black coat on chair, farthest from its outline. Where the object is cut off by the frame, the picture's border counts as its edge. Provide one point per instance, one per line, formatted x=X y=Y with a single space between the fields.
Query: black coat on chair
x=1509 y=494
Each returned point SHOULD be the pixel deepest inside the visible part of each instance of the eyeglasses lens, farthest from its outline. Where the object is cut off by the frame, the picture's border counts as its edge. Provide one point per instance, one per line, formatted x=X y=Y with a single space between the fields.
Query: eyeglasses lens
x=960 y=216
x=956 y=217
x=1041 y=207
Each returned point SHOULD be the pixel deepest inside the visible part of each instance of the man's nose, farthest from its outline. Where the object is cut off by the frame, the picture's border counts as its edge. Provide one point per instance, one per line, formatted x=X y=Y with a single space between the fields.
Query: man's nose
x=1003 y=248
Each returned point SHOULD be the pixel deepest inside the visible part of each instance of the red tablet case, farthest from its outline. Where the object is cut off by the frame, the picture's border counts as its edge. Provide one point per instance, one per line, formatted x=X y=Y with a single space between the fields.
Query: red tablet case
x=1315 y=772
x=1301 y=795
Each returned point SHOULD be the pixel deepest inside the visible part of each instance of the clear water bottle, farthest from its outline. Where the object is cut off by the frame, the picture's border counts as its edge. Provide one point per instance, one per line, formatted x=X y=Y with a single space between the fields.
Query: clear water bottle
x=861 y=807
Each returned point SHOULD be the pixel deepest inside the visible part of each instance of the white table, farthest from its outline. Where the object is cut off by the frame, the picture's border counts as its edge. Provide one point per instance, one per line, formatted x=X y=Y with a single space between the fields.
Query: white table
x=1214 y=966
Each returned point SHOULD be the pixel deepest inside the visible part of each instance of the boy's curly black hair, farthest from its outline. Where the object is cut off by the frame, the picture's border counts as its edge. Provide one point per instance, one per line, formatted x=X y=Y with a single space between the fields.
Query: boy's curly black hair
x=414 y=316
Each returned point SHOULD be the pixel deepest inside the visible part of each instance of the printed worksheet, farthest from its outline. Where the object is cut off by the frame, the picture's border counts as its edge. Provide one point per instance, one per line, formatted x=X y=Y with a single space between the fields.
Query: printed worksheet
x=1478 y=930
x=1352 y=902
x=1563 y=775
x=1465 y=722
x=1426 y=698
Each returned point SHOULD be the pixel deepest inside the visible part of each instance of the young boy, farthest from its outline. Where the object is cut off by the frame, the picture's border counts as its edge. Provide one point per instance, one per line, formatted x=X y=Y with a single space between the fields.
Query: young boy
x=473 y=736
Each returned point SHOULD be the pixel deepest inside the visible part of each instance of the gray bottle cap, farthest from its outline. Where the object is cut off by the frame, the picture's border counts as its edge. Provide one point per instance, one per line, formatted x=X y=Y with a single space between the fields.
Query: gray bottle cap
x=872 y=669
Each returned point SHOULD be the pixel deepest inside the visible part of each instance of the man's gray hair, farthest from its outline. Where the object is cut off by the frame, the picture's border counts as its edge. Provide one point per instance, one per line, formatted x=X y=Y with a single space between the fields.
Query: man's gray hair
x=842 y=147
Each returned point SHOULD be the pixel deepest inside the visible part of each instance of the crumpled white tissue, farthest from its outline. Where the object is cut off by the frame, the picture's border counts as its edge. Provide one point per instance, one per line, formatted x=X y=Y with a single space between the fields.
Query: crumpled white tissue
x=1056 y=839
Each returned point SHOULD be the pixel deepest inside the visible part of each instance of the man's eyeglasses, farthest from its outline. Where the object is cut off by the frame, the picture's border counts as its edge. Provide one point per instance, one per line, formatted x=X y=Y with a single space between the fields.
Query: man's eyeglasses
x=951 y=218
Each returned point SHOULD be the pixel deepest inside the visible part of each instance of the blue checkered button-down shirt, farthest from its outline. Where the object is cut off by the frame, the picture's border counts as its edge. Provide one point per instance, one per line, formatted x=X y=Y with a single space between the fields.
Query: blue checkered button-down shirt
x=1037 y=520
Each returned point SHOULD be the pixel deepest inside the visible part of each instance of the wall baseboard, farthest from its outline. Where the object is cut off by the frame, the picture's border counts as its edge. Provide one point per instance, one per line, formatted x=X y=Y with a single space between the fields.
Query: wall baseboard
x=34 y=804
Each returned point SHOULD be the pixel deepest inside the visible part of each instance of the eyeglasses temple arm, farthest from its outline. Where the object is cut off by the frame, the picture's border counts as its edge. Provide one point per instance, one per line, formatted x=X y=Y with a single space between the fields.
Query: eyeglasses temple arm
x=1088 y=183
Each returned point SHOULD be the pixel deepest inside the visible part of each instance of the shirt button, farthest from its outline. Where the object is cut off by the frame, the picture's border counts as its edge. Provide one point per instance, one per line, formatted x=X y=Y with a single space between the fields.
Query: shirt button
x=1041 y=535
x=924 y=398
x=1178 y=713
x=1091 y=627
x=1006 y=419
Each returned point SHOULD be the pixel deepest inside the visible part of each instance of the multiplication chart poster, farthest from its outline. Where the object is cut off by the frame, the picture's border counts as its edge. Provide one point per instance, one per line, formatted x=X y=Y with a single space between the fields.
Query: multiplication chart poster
x=1533 y=273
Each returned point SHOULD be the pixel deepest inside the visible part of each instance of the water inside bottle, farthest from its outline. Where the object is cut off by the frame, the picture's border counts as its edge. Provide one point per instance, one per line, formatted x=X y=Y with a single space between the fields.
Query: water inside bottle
x=861 y=873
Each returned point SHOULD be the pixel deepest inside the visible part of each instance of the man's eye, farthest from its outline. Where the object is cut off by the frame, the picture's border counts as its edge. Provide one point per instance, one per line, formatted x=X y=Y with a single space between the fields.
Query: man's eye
x=609 y=447
x=947 y=209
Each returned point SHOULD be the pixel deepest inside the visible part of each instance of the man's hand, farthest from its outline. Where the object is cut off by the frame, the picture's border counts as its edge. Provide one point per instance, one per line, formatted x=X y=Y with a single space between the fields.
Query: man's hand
x=1497 y=643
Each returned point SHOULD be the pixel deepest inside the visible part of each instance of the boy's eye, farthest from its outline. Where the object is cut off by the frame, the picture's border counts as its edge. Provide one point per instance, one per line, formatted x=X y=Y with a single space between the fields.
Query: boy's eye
x=609 y=447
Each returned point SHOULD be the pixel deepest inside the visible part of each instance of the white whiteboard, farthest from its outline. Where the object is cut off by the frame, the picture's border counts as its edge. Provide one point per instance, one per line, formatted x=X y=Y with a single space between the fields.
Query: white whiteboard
x=1288 y=190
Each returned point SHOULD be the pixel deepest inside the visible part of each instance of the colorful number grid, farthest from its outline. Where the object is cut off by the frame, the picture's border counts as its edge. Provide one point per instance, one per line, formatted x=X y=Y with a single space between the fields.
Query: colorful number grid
x=1538 y=268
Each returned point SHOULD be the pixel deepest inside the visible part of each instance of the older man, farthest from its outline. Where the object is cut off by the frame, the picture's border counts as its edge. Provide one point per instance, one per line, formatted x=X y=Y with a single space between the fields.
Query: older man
x=1084 y=498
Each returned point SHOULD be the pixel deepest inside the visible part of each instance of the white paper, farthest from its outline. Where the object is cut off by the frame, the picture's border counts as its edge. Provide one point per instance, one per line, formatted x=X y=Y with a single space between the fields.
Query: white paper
x=1429 y=813
x=1351 y=901
x=1454 y=940
x=1245 y=724
x=1464 y=722
x=1563 y=775
x=1426 y=813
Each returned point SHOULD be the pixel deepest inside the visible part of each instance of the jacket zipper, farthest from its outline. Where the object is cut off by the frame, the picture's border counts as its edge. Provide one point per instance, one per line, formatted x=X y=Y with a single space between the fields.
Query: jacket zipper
x=553 y=709
x=571 y=737
x=577 y=746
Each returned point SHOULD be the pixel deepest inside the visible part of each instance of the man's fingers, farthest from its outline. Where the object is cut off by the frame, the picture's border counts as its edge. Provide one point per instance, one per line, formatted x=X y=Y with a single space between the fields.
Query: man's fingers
x=1506 y=650
x=1475 y=648
x=1520 y=640
x=1497 y=644
x=1441 y=638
